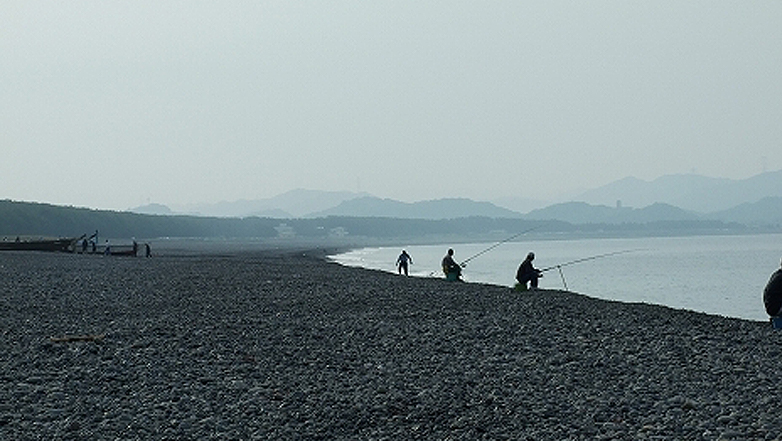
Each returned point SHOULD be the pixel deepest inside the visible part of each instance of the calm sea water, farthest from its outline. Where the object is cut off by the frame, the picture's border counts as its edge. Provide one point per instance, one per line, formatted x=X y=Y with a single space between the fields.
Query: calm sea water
x=722 y=275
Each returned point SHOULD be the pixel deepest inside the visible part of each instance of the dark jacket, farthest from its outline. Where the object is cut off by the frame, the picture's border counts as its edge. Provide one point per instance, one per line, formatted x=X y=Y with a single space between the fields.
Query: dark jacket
x=772 y=295
x=526 y=271
x=450 y=265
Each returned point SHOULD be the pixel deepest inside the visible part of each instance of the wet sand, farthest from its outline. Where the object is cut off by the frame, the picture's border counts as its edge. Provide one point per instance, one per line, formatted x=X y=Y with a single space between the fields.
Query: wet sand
x=281 y=344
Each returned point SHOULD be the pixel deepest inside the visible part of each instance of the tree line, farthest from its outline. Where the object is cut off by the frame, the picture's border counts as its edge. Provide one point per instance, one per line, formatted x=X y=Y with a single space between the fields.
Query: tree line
x=37 y=219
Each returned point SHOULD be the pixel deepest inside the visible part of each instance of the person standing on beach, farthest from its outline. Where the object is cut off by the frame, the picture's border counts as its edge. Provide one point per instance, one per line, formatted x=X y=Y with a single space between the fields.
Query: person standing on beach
x=451 y=269
x=402 y=261
x=772 y=295
x=528 y=273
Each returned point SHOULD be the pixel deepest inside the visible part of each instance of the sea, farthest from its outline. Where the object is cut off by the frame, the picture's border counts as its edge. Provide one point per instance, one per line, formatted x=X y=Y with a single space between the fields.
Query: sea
x=722 y=275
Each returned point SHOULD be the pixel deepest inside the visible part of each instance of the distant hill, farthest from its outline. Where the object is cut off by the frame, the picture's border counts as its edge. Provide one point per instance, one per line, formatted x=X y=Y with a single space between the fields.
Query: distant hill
x=732 y=193
x=520 y=204
x=583 y=213
x=294 y=203
x=668 y=198
x=687 y=191
x=35 y=219
x=435 y=209
x=163 y=210
x=273 y=213
x=46 y=220
x=311 y=203
x=157 y=209
x=767 y=211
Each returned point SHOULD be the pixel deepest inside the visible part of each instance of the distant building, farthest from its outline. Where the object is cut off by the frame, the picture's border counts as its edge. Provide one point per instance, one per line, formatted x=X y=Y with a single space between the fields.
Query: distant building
x=285 y=231
x=338 y=232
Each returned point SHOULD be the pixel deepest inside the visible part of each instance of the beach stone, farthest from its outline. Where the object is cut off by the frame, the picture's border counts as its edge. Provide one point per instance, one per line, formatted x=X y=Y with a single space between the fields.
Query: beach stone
x=272 y=344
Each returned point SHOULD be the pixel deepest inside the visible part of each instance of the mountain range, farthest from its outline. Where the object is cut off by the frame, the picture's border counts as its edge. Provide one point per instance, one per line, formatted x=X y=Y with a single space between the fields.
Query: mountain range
x=368 y=206
x=292 y=204
x=755 y=201
x=687 y=191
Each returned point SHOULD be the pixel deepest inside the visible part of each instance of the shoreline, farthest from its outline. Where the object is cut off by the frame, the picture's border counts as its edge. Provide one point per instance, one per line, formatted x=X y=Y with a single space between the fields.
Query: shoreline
x=282 y=344
x=662 y=271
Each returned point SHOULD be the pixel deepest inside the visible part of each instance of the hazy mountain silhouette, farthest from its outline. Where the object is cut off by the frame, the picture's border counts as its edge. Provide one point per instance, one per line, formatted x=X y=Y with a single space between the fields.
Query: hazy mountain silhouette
x=673 y=197
x=157 y=209
x=520 y=204
x=435 y=209
x=687 y=191
x=273 y=213
x=582 y=213
x=37 y=219
x=767 y=211
x=294 y=203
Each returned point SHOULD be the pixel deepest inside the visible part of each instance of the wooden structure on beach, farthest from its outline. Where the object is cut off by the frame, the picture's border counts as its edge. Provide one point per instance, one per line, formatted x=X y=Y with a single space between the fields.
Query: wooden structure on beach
x=67 y=244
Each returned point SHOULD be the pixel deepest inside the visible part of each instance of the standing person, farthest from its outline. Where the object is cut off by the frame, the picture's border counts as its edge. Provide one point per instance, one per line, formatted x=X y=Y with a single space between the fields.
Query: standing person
x=452 y=270
x=528 y=273
x=772 y=295
x=148 y=250
x=402 y=261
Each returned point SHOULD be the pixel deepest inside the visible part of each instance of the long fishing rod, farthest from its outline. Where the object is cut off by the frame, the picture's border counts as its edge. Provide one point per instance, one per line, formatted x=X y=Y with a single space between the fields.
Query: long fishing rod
x=585 y=259
x=464 y=262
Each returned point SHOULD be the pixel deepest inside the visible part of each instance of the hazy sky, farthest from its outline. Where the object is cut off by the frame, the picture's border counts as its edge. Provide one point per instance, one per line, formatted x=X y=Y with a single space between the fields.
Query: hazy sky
x=115 y=104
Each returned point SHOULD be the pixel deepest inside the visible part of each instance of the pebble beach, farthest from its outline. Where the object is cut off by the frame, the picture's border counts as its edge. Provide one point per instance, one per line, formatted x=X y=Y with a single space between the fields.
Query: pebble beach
x=285 y=345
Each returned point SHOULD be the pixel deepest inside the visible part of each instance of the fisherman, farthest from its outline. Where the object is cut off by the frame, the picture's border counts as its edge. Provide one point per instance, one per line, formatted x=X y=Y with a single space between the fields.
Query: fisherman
x=452 y=270
x=528 y=273
x=402 y=261
x=772 y=295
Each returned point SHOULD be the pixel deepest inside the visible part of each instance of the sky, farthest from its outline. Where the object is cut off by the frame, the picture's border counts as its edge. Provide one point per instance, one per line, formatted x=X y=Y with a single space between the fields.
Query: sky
x=117 y=104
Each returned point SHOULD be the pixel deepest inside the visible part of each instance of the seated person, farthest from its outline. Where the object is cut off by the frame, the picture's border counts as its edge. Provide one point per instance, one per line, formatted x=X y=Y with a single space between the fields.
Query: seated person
x=450 y=267
x=528 y=273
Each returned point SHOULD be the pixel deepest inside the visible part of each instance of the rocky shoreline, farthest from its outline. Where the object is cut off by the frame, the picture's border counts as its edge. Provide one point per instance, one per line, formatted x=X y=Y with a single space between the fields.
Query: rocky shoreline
x=285 y=345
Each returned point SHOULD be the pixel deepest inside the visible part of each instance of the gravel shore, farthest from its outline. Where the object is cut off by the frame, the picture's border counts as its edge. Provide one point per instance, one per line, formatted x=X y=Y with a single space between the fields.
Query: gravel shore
x=284 y=345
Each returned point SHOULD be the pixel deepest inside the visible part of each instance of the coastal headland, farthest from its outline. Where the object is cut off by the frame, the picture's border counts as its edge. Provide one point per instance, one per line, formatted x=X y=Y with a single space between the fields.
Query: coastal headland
x=282 y=344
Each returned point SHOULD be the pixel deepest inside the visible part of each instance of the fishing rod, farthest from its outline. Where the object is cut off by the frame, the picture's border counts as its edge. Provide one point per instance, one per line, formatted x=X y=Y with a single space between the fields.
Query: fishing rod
x=585 y=259
x=464 y=262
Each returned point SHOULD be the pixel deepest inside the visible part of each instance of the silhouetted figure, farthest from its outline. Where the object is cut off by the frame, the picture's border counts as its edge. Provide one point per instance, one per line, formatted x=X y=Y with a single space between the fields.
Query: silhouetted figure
x=528 y=273
x=452 y=270
x=402 y=262
x=147 y=250
x=772 y=294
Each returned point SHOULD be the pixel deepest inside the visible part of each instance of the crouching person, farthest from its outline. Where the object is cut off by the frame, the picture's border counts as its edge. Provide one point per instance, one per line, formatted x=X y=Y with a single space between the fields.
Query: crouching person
x=528 y=273
x=772 y=297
